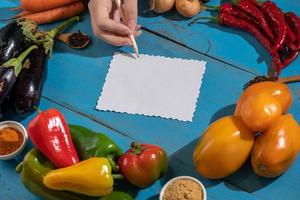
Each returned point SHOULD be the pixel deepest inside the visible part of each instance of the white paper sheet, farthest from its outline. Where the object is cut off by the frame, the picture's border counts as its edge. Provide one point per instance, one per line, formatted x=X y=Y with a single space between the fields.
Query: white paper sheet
x=152 y=86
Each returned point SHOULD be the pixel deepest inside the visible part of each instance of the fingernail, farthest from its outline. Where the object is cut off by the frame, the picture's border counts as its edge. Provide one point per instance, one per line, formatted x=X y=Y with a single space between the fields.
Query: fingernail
x=138 y=27
x=139 y=33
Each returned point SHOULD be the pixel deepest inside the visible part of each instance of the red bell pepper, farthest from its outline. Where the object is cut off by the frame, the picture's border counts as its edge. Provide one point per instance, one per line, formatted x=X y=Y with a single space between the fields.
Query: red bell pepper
x=143 y=164
x=50 y=134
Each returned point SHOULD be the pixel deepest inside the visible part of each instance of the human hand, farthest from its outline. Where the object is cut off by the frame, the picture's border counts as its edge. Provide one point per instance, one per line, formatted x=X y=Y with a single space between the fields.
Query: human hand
x=106 y=23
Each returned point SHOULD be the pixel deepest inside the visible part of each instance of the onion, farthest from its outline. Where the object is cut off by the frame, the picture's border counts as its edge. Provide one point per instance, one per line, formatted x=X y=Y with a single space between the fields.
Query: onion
x=161 y=6
x=189 y=8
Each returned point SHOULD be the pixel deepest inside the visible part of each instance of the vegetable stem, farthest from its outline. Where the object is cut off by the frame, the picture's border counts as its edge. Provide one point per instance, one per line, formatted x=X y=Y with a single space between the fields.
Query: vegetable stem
x=52 y=33
x=117 y=176
x=17 y=62
x=196 y=20
x=19 y=167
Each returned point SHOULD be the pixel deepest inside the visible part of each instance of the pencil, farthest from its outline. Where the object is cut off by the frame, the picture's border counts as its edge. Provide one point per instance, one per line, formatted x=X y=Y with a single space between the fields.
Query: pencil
x=131 y=36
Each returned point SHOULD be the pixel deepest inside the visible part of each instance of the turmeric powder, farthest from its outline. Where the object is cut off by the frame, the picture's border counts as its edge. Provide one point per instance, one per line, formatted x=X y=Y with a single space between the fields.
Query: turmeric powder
x=10 y=140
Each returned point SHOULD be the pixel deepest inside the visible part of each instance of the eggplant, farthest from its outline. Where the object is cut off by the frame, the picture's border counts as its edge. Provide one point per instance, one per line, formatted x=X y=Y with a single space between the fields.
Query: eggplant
x=9 y=72
x=15 y=38
x=28 y=88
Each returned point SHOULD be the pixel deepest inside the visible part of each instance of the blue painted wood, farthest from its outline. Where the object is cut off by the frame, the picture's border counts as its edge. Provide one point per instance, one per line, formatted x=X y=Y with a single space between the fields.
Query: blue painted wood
x=231 y=46
x=12 y=188
x=75 y=79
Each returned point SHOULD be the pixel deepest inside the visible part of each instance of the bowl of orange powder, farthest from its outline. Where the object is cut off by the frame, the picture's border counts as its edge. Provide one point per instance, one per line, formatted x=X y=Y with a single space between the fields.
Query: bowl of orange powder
x=13 y=138
x=183 y=188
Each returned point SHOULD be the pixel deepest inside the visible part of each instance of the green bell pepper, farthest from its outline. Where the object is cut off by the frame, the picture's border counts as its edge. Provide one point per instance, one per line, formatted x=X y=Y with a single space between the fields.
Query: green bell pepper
x=117 y=196
x=92 y=144
x=33 y=169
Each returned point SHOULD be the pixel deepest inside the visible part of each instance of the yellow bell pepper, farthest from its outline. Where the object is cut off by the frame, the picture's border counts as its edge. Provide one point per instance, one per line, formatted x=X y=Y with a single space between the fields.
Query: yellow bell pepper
x=90 y=177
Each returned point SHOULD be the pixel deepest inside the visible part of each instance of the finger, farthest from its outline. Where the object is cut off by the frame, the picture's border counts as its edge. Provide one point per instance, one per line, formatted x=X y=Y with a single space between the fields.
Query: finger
x=117 y=17
x=113 y=26
x=130 y=7
x=100 y=14
x=109 y=37
x=116 y=40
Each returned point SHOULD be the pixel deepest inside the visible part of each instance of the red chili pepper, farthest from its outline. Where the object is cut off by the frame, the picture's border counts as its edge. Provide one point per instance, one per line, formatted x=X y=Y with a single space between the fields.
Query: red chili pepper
x=234 y=11
x=279 y=24
x=257 y=14
x=294 y=23
x=231 y=21
x=50 y=133
x=293 y=55
x=255 y=3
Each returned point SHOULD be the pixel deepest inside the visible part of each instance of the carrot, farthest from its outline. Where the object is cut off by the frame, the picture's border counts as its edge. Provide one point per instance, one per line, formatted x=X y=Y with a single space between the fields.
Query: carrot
x=42 y=5
x=21 y=14
x=56 y=14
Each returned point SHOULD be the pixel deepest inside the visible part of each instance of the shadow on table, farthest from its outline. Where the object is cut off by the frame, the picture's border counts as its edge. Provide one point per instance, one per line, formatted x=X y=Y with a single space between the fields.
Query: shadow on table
x=225 y=111
x=181 y=164
x=245 y=179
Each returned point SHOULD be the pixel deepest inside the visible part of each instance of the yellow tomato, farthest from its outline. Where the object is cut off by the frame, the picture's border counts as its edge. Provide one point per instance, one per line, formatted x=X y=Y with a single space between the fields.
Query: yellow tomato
x=276 y=149
x=279 y=90
x=260 y=111
x=223 y=148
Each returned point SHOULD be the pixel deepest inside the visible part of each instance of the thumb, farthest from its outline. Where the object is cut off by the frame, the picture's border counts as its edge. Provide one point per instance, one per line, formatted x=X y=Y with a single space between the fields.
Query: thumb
x=130 y=7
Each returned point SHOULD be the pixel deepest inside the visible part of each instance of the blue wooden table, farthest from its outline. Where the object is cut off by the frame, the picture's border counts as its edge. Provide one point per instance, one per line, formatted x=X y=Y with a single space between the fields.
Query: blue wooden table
x=75 y=79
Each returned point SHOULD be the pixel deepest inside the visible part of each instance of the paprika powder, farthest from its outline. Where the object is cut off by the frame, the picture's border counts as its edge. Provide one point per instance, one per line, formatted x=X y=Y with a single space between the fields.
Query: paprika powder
x=10 y=140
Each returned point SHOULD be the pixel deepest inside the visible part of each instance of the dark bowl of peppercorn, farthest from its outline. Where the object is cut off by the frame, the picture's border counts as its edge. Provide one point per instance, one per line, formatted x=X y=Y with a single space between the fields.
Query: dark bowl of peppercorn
x=13 y=138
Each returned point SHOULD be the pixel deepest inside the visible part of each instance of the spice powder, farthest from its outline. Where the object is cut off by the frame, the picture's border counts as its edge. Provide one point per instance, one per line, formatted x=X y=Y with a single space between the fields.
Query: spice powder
x=183 y=189
x=10 y=140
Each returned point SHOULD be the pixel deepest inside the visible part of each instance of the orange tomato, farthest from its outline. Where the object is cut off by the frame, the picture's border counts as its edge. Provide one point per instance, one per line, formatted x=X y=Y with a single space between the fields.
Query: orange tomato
x=276 y=149
x=223 y=148
x=260 y=111
x=279 y=90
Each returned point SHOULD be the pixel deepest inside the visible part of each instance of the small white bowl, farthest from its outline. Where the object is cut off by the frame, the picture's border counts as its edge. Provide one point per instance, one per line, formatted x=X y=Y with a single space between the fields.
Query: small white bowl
x=182 y=177
x=19 y=127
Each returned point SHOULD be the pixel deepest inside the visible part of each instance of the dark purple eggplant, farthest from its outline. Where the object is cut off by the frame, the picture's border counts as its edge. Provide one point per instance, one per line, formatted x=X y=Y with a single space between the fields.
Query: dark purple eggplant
x=28 y=88
x=9 y=72
x=15 y=38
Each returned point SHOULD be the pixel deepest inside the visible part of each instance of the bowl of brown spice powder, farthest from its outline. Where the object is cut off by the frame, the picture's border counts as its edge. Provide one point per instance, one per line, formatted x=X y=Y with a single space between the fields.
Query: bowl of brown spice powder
x=13 y=138
x=183 y=188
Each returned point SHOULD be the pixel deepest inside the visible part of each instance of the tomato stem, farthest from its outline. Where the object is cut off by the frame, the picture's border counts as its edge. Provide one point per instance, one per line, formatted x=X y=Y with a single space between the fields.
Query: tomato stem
x=136 y=148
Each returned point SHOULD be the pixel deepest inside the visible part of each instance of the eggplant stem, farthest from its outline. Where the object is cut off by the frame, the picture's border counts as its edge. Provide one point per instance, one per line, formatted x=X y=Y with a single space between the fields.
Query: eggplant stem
x=17 y=62
x=52 y=33
x=117 y=176
x=37 y=109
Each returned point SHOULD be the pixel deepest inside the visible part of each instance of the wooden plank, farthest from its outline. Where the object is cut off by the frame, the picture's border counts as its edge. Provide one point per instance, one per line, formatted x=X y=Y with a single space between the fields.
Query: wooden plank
x=231 y=46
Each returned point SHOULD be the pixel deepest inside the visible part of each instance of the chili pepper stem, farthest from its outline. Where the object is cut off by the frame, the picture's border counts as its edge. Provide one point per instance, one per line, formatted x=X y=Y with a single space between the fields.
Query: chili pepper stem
x=117 y=176
x=196 y=20
x=19 y=167
x=214 y=8
x=17 y=62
